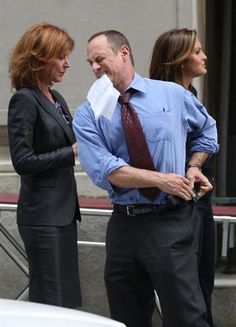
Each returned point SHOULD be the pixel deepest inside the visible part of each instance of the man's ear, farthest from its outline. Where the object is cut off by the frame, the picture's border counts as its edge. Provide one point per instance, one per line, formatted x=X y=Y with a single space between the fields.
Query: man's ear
x=125 y=53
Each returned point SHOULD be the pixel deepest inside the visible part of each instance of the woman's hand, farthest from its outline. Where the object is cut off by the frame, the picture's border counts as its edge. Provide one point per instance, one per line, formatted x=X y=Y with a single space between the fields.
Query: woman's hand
x=75 y=149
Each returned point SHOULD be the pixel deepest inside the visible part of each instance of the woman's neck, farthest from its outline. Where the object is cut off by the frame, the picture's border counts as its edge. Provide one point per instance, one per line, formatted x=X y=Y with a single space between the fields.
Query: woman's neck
x=186 y=86
x=186 y=82
x=44 y=88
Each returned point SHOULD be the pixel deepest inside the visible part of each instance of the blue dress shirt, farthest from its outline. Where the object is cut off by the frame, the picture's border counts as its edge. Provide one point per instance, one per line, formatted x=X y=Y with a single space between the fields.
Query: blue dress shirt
x=168 y=113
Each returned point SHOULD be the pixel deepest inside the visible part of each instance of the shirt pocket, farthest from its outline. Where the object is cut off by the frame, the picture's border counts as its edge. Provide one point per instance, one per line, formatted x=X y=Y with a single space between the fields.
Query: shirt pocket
x=158 y=127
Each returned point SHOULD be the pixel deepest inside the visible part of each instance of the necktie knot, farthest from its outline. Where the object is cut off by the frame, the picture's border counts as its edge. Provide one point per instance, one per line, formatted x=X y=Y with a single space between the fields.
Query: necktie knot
x=125 y=97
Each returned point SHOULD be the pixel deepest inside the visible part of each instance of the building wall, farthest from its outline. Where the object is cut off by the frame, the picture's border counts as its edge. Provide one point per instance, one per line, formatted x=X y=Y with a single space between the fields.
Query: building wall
x=141 y=20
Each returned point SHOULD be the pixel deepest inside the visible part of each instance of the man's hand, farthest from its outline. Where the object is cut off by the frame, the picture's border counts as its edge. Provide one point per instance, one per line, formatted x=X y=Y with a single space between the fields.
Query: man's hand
x=198 y=181
x=176 y=185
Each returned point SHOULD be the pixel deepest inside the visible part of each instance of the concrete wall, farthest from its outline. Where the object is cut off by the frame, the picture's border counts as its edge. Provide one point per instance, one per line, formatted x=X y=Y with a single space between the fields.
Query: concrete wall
x=141 y=20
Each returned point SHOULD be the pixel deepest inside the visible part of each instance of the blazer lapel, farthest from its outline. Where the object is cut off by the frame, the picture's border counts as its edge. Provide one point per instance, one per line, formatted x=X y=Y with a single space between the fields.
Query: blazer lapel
x=61 y=100
x=52 y=111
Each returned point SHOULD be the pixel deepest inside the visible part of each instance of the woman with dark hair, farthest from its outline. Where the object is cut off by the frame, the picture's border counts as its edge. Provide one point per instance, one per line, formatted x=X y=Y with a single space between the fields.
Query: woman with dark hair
x=178 y=57
x=43 y=150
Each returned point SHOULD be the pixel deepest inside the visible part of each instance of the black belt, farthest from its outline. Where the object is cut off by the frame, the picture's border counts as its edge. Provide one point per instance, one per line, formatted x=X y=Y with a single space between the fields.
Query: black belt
x=139 y=209
x=172 y=202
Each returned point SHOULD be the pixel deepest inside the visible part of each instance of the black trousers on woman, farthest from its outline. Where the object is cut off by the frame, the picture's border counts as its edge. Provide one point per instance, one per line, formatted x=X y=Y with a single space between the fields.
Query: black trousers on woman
x=207 y=252
x=155 y=251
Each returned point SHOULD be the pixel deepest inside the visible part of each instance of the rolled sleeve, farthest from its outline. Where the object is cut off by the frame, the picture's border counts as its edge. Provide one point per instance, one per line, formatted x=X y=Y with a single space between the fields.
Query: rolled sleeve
x=93 y=154
x=201 y=127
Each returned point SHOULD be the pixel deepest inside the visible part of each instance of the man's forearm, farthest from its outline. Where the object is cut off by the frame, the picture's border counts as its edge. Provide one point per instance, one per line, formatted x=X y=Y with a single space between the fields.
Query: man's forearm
x=132 y=177
x=170 y=183
x=197 y=159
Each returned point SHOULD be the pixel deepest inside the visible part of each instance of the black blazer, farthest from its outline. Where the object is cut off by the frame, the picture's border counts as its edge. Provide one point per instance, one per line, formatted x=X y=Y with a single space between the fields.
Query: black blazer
x=40 y=145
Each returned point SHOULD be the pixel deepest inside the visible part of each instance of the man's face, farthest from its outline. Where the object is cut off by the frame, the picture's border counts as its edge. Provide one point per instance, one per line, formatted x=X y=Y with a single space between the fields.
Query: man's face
x=104 y=60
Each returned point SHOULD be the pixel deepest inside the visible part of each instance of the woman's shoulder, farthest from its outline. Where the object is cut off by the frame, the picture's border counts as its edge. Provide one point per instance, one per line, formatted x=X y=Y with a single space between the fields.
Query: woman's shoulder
x=23 y=94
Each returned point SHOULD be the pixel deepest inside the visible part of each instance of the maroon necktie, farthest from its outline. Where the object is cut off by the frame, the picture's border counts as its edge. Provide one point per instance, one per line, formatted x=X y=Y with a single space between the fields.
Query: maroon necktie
x=137 y=146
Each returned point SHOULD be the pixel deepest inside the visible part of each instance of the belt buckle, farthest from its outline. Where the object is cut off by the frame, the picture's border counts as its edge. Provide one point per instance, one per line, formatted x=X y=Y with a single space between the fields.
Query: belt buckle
x=128 y=210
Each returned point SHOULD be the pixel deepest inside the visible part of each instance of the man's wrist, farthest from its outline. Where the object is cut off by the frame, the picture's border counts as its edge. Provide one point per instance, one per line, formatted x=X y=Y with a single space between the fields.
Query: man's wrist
x=193 y=165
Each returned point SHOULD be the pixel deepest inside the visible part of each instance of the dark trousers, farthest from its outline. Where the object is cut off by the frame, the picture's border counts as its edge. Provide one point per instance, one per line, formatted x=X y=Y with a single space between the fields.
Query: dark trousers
x=207 y=252
x=155 y=251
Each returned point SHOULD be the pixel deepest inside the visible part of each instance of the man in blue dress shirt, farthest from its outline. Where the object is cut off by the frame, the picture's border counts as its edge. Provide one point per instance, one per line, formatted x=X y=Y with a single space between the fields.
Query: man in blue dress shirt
x=150 y=244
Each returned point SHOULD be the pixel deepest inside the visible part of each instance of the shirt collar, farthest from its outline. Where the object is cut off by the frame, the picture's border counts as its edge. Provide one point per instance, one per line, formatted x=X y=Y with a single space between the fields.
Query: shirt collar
x=137 y=83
